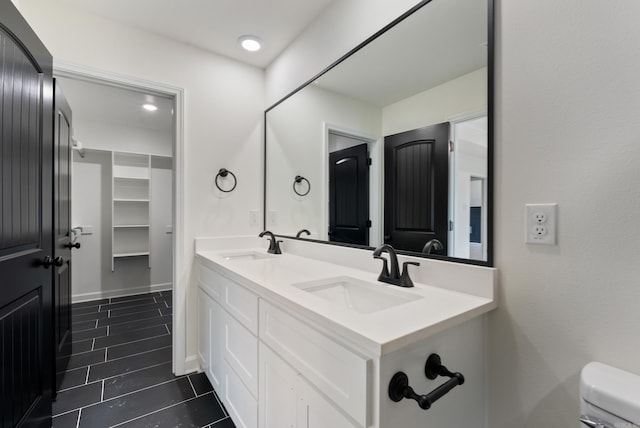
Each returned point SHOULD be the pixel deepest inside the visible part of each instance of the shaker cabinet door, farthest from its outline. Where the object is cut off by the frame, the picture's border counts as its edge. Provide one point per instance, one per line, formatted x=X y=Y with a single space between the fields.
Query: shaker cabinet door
x=277 y=391
x=316 y=411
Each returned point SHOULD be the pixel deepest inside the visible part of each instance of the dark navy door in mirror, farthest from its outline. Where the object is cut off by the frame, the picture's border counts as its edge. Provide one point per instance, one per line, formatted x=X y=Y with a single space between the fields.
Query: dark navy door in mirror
x=349 y=195
x=416 y=187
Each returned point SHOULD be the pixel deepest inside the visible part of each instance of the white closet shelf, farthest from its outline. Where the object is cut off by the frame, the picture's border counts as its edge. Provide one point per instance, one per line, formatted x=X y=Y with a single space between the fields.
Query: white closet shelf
x=130 y=210
x=128 y=178
x=134 y=254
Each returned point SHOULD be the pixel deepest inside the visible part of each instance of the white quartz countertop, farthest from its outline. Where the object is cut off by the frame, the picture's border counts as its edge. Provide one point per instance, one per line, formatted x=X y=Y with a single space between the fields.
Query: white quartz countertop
x=381 y=332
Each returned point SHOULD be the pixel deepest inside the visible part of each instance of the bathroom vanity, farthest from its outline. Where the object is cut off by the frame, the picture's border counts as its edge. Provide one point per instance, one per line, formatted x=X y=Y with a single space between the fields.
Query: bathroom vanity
x=309 y=338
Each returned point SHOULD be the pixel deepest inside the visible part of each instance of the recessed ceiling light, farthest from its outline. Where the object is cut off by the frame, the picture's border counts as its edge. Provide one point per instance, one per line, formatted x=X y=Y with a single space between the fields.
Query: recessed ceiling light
x=149 y=107
x=250 y=43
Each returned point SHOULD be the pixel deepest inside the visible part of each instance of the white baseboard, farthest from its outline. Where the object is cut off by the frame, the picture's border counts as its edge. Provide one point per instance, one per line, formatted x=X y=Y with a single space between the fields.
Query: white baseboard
x=85 y=297
x=191 y=364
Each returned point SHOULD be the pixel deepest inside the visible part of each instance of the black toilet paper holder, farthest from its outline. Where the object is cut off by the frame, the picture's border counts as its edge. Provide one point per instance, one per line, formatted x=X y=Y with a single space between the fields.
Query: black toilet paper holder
x=399 y=385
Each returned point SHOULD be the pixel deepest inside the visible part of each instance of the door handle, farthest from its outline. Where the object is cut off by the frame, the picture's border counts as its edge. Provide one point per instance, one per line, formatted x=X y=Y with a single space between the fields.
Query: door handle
x=45 y=263
x=70 y=245
x=58 y=261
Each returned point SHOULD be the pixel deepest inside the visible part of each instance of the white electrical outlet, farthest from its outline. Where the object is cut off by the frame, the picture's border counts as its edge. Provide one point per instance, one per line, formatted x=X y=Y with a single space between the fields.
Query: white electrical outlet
x=540 y=224
x=273 y=218
x=253 y=218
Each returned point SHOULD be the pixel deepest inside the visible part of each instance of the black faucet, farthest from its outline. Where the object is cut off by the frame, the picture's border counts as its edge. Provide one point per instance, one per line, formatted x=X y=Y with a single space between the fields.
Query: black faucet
x=274 y=246
x=393 y=277
x=299 y=234
x=432 y=245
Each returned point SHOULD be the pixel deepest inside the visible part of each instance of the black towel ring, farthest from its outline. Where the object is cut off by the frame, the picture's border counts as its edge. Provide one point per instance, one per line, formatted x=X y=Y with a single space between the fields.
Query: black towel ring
x=299 y=180
x=223 y=173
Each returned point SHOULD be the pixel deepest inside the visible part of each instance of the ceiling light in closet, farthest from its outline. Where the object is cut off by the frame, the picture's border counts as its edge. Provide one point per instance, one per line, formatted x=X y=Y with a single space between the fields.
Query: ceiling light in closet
x=149 y=107
x=250 y=43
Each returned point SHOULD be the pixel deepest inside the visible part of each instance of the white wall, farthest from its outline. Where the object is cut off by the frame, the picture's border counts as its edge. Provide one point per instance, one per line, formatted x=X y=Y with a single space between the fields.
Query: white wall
x=569 y=101
x=462 y=95
x=89 y=183
x=160 y=230
x=567 y=131
x=224 y=103
x=297 y=131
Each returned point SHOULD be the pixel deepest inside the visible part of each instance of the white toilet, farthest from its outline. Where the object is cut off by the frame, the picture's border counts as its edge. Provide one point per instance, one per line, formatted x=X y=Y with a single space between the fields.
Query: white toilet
x=609 y=397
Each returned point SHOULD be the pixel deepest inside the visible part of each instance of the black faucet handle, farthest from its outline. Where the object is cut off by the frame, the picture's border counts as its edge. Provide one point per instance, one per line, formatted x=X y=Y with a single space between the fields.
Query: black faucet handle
x=405 y=279
x=276 y=249
x=385 y=269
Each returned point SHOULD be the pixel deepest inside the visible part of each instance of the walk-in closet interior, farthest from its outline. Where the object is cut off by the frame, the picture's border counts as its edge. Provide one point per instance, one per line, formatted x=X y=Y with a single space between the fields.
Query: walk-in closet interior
x=121 y=190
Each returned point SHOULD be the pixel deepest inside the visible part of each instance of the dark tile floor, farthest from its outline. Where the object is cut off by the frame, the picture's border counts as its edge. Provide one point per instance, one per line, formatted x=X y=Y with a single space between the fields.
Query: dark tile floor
x=120 y=372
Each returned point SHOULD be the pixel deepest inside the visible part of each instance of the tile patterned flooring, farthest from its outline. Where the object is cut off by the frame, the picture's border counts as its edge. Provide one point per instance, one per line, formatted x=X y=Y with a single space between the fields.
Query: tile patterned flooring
x=120 y=372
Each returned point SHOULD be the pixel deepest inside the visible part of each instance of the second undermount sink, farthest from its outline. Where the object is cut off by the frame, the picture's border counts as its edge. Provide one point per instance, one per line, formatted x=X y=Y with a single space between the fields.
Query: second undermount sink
x=245 y=255
x=357 y=295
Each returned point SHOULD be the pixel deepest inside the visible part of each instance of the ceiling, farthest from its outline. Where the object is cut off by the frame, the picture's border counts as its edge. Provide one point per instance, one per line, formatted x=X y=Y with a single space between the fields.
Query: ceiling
x=100 y=103
x=216 y=25
x=441 y=41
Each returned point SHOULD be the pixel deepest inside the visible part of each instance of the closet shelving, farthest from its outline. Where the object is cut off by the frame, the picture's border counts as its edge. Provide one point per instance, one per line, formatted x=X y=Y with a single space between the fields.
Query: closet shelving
x=130 y=205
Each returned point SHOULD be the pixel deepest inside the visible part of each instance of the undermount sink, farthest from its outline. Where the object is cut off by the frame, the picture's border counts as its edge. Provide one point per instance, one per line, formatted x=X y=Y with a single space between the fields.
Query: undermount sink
x=246 y=255
x=356 y=295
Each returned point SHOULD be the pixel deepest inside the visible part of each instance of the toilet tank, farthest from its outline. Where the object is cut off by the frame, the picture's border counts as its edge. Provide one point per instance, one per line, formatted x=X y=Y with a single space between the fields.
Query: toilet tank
x=610 y=395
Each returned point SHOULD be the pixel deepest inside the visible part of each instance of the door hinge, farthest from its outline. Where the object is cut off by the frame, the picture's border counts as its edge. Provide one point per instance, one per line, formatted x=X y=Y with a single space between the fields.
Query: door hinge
x=450 y=225
x=451 y=146
x=368 y=223
x=368 y=161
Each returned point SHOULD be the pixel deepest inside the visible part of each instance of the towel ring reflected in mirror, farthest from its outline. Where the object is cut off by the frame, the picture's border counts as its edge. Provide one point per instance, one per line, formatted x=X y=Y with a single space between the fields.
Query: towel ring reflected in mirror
x=224 y=173
x=299 y=179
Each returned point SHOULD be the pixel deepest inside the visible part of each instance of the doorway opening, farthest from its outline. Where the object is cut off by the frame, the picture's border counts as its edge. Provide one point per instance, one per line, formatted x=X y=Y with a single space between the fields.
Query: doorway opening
x=351 y=187
x=143 y=222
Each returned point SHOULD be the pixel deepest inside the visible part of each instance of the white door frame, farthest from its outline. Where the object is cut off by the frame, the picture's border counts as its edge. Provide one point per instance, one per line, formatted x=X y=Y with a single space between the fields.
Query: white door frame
x=453 y=167
x=79 y=72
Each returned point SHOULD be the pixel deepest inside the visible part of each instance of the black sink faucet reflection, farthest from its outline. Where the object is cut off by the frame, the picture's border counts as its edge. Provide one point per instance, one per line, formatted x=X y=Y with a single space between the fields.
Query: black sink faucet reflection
x=393 y=276
x=432 y=245
x=274 y=245
x=305 y=231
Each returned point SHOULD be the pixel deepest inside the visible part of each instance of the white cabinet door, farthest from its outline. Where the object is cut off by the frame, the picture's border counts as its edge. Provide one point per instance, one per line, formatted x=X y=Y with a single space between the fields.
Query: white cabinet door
x=241 y=405
x=217 y=333
x=204 y=330
x=287 y=400
x=335 y=370
x=241 y=352
x=316 y=411
x=277 y=391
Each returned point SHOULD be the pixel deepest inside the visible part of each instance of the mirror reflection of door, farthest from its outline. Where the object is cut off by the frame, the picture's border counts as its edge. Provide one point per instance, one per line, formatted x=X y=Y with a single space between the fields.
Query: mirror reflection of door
x=348 y=190
x=416 y=187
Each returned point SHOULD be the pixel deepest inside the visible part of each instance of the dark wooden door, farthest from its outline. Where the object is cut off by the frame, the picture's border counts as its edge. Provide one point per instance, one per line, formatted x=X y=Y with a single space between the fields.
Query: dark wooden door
x=62 y=233
x=416 y=186
x=349 y=195
x=26 y=224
